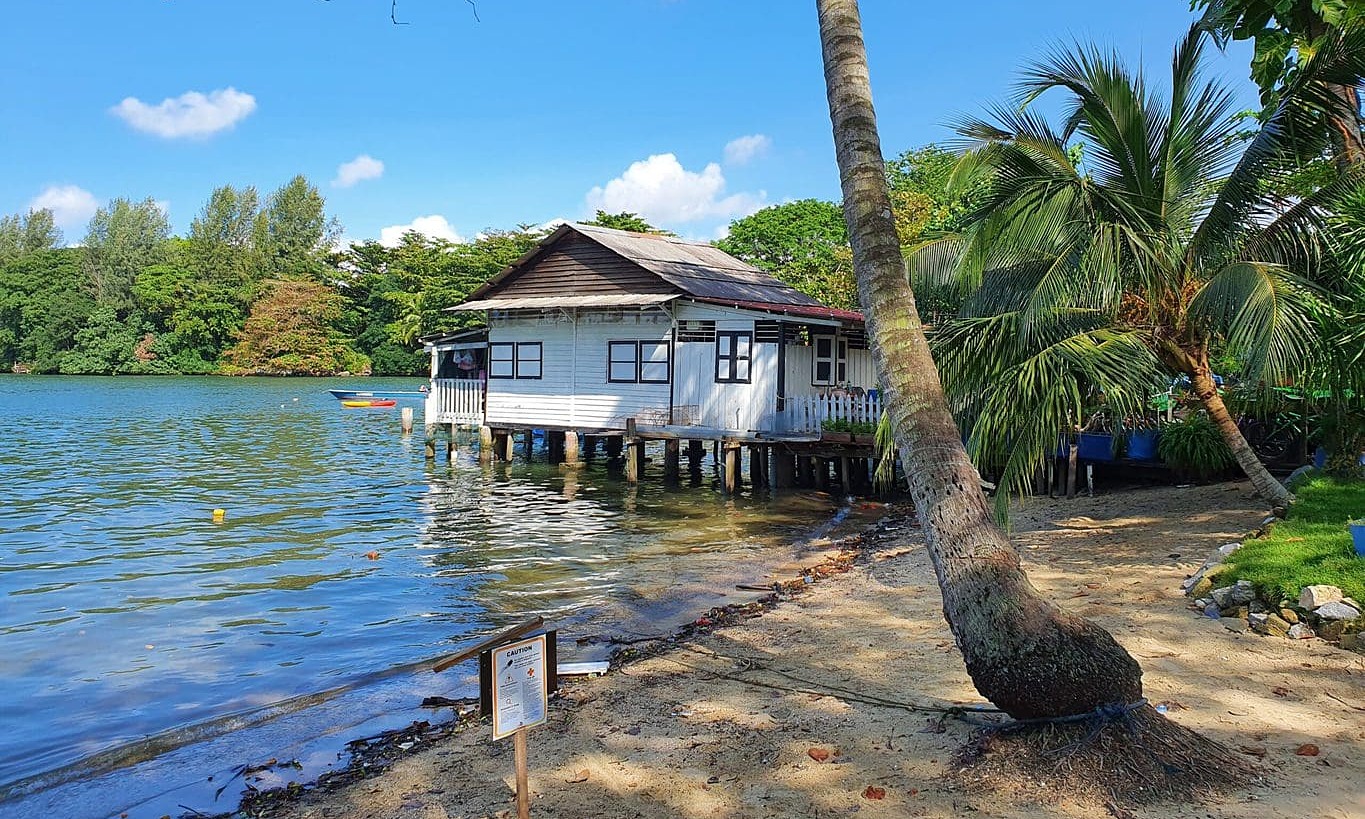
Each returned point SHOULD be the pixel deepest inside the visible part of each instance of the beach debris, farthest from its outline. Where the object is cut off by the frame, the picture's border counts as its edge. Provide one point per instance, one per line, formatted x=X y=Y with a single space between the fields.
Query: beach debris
x=1307 y=749
x=372 y=555
x=581 y=776
x=219 y=515
x=818 y=754
x=874 y=792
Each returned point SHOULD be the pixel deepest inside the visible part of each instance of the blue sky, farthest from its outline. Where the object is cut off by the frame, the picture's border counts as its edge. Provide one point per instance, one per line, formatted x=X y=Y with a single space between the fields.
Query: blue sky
x=690 y=112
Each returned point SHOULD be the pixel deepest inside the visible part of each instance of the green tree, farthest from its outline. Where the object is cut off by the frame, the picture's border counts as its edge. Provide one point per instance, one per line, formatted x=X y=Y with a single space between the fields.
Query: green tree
x=292 y=331
x=924 y=195
x=222 y=240
x=803 y=243
x=1171 y=246
x=43 y=302
x=1285 y=34
x=293 y=231
x=123 y=238
x=625 y=220
x=33 y=232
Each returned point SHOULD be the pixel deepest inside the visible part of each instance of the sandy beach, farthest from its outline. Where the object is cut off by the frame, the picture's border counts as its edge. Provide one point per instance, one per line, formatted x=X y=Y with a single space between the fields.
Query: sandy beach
x=794 y=712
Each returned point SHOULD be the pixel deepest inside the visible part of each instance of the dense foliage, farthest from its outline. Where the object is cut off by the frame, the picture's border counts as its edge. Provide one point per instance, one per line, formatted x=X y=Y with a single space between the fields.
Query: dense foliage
x=256 y=286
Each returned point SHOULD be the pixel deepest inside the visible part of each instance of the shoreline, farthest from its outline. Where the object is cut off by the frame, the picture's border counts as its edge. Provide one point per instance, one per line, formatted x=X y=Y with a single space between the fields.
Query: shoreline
x=800 y=709
x=371 y=756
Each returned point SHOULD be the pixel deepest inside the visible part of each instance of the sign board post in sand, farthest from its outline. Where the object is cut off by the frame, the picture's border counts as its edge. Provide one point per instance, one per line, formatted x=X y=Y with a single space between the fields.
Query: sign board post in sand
x=515 y=681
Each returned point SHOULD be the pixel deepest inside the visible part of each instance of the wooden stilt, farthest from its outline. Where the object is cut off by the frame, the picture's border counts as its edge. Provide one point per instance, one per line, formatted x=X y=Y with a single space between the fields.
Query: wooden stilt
x=821 y=473
x=570 y=445
x=1071 y=472
x=406 y=423
x=485 y=444
x=509 y=442
x=784 y=469
x=614 y=444
x=671 y=466
x=732 y=482
x=554 y=446
x=634 y=453
x=757 y=462
x=696 y=451
x=589 y=447
x=430 y=442
x=530 y=444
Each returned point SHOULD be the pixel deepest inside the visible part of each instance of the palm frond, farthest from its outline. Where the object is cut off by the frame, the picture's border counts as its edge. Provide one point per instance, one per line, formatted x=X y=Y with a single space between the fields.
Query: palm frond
x=1267 y=314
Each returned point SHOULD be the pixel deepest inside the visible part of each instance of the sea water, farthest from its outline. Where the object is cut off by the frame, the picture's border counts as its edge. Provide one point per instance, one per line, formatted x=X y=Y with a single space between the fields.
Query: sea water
x=146 y=652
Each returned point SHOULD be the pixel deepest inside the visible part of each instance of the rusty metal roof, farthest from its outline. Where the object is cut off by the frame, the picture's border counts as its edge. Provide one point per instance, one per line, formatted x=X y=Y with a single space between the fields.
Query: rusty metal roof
x=816 y=311
x=551 y=302
x=696 y=269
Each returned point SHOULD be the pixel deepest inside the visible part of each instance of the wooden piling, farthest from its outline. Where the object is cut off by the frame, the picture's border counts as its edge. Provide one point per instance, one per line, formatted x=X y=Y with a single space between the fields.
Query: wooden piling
x=485 y=444
x=821 y=466
x=696 y=450
x=634 y=453
x=671 y=465
x=430 y=444
x=614 y=445
x=757 y=466
x=784 y=469
x=406 y=423
x=529 y=442
x=554 y=446
x=570 y=447
x=1071 y=471
x=732 y=467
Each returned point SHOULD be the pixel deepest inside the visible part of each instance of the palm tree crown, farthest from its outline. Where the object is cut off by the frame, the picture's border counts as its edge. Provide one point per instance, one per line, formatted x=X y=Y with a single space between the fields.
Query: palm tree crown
x=1106 y=268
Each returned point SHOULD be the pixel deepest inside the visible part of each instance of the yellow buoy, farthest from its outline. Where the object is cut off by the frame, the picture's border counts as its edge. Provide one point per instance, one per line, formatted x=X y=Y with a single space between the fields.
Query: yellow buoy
x=218 y=515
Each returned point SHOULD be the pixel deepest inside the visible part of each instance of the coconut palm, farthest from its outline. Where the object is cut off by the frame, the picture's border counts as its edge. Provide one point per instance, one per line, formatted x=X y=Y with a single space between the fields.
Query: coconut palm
x=1024 y=654
x=1159 y=241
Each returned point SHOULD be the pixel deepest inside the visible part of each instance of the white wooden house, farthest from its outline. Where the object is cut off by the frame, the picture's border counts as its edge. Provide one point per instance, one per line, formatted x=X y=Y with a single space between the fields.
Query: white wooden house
x=596 y=326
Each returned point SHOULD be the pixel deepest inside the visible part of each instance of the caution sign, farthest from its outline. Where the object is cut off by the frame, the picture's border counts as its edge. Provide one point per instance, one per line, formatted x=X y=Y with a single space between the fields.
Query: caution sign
x=518 y=678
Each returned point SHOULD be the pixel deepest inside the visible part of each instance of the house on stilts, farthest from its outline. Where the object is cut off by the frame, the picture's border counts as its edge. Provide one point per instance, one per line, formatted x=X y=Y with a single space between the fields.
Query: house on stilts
x=627 y=337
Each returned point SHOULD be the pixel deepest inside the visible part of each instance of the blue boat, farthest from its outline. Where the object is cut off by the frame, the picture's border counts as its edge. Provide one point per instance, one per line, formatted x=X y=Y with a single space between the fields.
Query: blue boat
x=401 y=395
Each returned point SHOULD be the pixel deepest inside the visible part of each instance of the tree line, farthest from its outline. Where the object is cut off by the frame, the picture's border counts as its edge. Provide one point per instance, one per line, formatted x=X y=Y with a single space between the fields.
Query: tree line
x=258 y=284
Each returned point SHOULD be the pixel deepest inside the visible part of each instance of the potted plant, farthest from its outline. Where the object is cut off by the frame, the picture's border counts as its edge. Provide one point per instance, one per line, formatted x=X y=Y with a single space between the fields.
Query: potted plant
x=1194 y=448
x=1095 y=442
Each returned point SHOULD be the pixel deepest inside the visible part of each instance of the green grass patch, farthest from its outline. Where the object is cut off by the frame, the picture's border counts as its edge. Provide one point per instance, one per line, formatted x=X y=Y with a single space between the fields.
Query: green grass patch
x=1312 y=546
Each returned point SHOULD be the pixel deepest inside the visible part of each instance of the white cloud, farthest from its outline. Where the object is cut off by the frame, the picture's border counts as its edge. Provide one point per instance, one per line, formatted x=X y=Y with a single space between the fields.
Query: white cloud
x=743 y=149
x=434 y=226
x=662 y=191
x=71 y=205
x=192 y=114
x=359 y=169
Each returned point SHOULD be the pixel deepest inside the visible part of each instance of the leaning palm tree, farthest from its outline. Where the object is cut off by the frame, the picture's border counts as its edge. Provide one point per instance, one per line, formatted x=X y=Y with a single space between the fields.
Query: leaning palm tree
x=1096 y=271
x=1025 y=654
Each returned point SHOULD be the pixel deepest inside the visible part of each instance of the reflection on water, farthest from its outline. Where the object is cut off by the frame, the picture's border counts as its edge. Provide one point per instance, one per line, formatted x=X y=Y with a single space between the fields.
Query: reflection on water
x=127 y=613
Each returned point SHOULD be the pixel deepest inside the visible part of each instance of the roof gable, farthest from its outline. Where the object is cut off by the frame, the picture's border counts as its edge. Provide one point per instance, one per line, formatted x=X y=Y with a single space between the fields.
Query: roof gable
x=589 y=260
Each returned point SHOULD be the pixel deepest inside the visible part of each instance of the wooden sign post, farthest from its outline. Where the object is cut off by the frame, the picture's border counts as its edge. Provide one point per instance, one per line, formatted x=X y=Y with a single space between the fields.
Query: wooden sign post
x=515 y=681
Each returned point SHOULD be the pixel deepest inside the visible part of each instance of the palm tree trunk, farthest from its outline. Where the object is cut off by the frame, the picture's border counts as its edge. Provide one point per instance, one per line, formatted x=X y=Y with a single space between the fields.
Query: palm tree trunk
x=1270 y=489
x=1024 y=654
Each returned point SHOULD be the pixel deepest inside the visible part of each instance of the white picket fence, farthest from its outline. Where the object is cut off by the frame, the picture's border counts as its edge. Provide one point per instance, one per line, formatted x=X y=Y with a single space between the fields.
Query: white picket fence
x=807 y=413
x=455 y=401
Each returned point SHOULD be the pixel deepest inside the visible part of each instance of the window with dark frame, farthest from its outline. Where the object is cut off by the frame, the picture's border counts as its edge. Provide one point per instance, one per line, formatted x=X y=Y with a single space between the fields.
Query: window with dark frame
x=830 y=361
x=520 y=359
x=529 y=359
x=638 y=362
x=502 y=360
x=734 y=351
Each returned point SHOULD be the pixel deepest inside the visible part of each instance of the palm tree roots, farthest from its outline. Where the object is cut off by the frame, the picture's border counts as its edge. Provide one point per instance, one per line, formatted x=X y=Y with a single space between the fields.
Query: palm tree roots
x=1122 y=758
